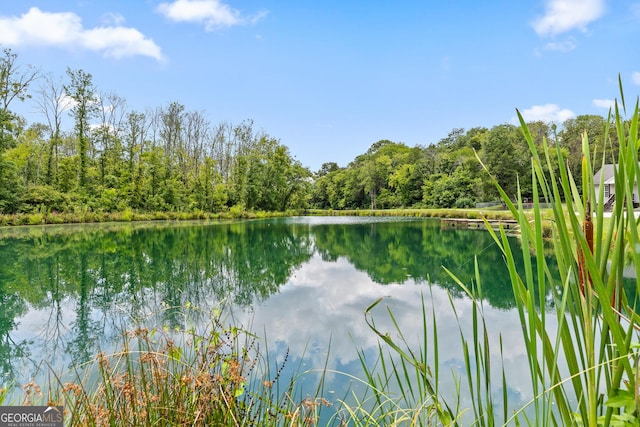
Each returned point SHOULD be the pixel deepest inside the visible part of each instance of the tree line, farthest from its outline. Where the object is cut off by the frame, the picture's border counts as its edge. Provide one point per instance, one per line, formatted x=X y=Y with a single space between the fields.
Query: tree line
x=169 y=158
x=458 y=170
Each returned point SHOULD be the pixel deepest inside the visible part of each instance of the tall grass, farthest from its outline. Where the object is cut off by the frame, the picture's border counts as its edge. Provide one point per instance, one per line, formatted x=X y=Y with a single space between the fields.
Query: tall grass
x=582 y=355
x=583 y=369
x=404 y=390
x=205 y=376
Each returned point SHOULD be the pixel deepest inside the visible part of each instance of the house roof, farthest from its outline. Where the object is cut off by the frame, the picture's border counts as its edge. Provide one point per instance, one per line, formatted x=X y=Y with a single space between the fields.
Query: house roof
x=608 y=172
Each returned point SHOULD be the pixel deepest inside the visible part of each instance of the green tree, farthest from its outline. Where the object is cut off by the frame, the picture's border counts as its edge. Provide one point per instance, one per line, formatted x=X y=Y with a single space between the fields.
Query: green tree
x=150 y=181
x=272 y=178
x=570 y=139
x=171 y=126
x=52 y=104
x=14 y=85
x=375 y=170
x=107 y=134
x=10 y=186
x=507 y=158
x=81 y=90
x=450 y=191
x=345 y=190
x=327 y=168
x=29 y=154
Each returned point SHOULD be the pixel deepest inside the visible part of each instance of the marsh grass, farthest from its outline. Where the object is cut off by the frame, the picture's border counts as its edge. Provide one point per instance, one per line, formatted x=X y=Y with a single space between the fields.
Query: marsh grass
x=583 y=354
x=169 y=377
x=86 y=216
x=489 y=213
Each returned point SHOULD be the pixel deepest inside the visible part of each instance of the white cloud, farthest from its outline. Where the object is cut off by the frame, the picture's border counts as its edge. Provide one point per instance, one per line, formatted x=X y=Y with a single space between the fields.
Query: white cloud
x=314 y=304
x=65 y=30
x=65 y=102
x=604 y=103
x=212 y=13
x=635 y=77
x=547 y=113
x=119 y=42
x=566 y=15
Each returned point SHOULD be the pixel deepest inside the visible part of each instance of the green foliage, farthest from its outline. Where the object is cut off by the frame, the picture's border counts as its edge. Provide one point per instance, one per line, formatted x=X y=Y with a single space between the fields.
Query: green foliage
x=236 y=211
x=266 y=177
x=506 y=158
x=39 y=197
x=464 y=202
x=35 y=219
x=582 y=357
x=14 y=85
x=444 y=191
x=108 y=200
x=7 y=130
x=172 y=159
x=83 y=93
x=10 y=186
x=571 y=137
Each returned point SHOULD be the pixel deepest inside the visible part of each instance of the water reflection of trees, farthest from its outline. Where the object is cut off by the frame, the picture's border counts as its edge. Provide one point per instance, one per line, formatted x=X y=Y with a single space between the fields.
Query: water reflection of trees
x=109 y=275
x=395 y=252
x=88 y=281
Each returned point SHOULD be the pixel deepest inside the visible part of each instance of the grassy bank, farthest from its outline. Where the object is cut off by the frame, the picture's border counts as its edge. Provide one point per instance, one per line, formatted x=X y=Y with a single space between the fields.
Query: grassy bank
x=89 y=217
x=419 y=213
x=130 y=216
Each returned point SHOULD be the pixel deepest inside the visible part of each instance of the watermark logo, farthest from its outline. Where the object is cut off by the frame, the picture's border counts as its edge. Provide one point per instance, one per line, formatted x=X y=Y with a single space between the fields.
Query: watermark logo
x=31 y=416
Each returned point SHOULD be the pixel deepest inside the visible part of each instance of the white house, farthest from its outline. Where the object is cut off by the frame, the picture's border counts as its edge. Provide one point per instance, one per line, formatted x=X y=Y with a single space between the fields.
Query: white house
x=609 y=186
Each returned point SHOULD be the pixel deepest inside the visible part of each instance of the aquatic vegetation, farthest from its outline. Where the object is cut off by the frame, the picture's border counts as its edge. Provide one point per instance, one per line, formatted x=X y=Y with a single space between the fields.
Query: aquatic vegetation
x=583 y=355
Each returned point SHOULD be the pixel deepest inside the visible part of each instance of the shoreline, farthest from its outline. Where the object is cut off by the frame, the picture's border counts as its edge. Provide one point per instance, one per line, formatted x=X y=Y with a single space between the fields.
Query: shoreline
x=29 y=219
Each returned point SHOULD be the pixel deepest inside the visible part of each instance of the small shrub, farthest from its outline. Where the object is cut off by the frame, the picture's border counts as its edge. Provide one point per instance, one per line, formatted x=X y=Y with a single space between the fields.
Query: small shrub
x=127 y=215
x=35 y=219
x=236 y=211
x=464 y=202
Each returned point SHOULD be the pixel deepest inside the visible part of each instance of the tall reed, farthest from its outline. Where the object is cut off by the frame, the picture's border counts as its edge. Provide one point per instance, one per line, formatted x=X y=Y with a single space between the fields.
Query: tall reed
x=582 y=355
x=582 y=370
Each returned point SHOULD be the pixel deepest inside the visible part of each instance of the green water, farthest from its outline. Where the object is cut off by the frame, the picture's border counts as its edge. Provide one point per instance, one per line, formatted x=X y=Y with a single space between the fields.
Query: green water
x=301 y=283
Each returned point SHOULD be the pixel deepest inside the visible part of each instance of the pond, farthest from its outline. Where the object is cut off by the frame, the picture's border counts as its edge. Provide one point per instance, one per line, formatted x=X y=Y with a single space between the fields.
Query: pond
x=302 y=284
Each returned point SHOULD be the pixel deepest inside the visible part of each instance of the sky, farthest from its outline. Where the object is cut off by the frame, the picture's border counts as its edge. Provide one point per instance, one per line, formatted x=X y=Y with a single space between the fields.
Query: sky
x=328 y=79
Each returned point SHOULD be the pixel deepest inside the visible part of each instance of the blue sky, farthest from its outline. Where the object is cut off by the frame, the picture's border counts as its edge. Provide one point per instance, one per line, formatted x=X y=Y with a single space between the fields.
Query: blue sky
x=330 y=78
